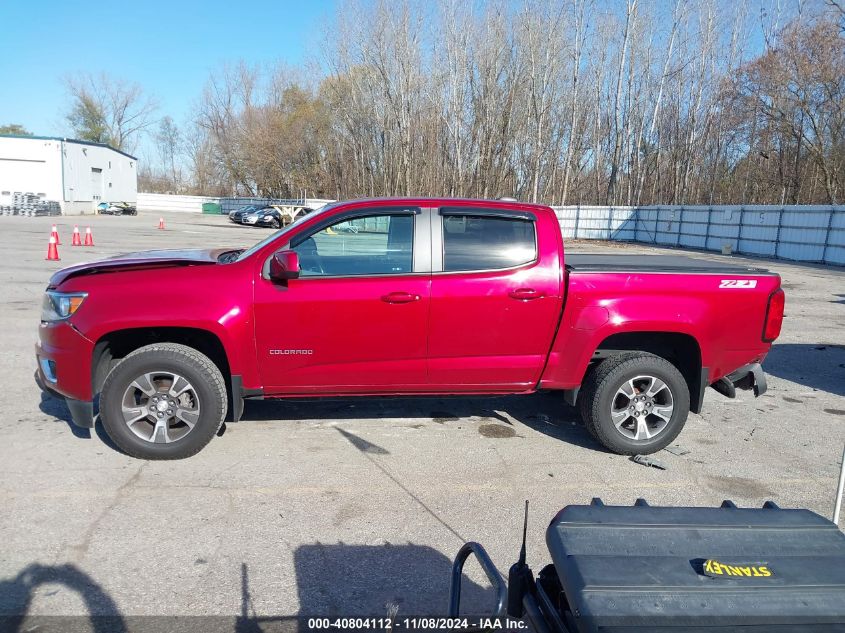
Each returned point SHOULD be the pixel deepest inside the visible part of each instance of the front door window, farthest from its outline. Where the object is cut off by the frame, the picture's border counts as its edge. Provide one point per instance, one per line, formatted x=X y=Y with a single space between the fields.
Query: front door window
x=371 y=245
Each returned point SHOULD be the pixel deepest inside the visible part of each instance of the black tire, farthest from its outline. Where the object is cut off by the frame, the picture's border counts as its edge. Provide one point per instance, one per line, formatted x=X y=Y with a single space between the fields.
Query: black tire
x=208 y=389
x=276 y=224
x=601 y=393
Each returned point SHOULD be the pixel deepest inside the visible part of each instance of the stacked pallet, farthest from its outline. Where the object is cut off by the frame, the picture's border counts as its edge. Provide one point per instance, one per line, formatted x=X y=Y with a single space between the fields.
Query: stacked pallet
x=31 y=205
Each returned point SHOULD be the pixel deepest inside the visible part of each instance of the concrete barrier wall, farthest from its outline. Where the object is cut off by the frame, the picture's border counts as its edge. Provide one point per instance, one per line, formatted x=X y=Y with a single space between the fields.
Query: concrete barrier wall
x=801 y=233
x=168 y=202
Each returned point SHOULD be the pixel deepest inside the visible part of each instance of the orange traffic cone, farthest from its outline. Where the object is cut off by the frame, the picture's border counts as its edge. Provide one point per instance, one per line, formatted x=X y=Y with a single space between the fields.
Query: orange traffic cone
x=89 y=238
x=161 y=223
x=52 y=250
x=76 y=241
x=55 y=233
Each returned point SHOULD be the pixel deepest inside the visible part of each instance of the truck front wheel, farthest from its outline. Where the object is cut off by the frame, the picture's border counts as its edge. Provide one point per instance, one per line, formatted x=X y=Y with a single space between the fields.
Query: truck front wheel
x=635 y=403
x=163 y=401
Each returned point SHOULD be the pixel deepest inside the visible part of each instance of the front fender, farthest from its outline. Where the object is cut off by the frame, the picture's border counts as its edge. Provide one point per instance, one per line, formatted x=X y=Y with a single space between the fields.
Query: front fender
x=215 y=299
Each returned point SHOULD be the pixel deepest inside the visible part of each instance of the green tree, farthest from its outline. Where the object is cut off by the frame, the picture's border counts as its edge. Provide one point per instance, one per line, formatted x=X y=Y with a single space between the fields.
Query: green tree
x=88 y=119
x=14 y=128
x=108 y=110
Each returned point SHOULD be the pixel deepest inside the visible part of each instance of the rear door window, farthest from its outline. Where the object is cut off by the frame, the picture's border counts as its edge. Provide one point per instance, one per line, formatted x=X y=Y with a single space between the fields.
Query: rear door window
x=486 y=241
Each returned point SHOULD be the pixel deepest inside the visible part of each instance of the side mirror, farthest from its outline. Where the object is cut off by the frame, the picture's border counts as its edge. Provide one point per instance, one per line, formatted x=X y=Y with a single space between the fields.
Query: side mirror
x=284 y=265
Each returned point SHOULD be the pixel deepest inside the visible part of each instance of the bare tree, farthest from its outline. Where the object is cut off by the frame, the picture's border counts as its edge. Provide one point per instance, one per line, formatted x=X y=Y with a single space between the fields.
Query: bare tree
x=625 y=102
x=169 y=145
x=108 y=110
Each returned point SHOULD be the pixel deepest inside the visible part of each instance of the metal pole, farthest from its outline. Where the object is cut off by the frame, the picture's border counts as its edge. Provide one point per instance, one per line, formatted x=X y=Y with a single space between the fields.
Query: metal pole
x=777 y=235
x=827 y=234
x=680 y=227
x=837 y=507
x=656 y=225
x=637 y=223
x=577 y=217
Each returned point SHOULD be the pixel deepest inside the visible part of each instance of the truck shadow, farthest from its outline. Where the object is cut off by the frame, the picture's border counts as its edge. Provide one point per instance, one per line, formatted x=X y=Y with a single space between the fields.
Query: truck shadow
x=818 y=366
x=495 y=417
x=56 y=408
x=544 y=412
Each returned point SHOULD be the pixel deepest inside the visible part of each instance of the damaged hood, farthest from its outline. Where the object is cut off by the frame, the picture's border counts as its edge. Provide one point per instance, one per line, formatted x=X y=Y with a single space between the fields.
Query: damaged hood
x=140 y=261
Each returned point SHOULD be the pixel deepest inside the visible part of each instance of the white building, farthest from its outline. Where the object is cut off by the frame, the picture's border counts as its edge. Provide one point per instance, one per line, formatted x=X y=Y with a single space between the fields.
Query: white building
x=77 y=174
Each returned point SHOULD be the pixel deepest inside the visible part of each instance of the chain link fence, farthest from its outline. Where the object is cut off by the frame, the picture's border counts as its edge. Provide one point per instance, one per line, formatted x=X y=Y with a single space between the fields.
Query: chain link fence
x=800 y=233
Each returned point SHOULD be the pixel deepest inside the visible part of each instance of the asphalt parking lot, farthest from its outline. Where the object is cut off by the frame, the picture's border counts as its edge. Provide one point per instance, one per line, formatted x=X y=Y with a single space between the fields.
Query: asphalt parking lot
x=357 y=506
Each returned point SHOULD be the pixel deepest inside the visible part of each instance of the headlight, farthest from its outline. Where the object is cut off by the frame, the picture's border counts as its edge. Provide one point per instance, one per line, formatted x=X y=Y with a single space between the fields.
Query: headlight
x=60 y=305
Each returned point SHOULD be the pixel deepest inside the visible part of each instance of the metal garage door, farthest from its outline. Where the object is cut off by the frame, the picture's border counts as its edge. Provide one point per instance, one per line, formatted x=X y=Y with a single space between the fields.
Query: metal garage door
x=27 y=176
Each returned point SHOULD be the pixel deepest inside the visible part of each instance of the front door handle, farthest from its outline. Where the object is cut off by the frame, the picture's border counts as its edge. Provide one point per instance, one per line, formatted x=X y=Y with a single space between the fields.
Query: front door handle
x=525 y=294
x=400 y=297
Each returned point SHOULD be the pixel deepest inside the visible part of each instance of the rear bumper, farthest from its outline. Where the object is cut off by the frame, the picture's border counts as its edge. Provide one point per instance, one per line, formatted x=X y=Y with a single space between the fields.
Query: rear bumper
x=746 y=377
x=63 y=356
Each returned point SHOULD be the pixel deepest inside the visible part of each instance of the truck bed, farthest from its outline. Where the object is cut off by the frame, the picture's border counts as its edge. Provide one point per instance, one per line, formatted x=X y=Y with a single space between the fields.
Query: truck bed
x=656 y=264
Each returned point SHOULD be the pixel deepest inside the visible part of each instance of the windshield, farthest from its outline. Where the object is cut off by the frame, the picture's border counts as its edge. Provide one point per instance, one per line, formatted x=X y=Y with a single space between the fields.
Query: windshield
x=274 y=236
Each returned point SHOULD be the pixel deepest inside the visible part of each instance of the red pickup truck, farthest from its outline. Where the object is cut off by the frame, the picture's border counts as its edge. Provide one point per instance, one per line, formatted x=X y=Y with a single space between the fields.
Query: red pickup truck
x=401 y=296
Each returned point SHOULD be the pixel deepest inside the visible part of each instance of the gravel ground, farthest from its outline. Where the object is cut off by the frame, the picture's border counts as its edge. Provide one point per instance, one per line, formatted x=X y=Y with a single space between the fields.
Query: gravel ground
x=357 y=506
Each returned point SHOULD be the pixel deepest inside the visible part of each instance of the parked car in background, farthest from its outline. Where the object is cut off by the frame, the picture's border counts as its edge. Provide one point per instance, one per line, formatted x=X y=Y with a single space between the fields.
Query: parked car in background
x=437 y=297
x=237 y=215
x=275 y=216
x=267 y=217
x=117 y=208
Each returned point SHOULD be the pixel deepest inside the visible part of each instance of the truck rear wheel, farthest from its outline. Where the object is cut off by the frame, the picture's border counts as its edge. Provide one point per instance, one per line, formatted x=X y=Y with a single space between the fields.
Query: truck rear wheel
x=163 y=401
x=635 y=403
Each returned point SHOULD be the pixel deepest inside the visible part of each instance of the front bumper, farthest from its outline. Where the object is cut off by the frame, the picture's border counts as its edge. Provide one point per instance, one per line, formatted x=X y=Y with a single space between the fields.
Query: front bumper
x=81 y=411
x=746 y=377
x=63 y=356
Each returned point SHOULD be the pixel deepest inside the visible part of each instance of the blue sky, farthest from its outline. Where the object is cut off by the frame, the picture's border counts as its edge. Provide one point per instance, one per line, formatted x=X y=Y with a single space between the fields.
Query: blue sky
x=169 y=47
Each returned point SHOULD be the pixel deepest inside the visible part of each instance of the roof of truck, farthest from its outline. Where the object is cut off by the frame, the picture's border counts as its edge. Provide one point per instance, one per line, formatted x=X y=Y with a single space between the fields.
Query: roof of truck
x=437 y=201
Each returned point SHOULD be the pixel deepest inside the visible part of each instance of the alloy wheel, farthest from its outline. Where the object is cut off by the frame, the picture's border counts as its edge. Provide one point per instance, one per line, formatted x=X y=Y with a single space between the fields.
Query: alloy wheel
x=160 y=407
x=642 y=407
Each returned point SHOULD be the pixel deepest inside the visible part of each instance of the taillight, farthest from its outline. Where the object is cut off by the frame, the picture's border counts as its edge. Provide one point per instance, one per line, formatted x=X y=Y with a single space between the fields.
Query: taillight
x=774 y=316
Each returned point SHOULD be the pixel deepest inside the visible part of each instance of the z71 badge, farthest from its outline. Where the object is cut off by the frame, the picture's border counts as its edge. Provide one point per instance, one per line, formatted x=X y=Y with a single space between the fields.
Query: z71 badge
x=738 y=283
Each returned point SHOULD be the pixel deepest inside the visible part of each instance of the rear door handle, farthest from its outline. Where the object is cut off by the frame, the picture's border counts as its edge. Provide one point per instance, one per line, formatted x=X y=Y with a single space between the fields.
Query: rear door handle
x=400 y=297
x=525 y=294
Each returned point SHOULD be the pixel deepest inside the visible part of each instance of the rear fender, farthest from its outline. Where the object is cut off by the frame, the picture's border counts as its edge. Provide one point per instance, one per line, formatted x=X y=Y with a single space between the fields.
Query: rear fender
x=587 y=326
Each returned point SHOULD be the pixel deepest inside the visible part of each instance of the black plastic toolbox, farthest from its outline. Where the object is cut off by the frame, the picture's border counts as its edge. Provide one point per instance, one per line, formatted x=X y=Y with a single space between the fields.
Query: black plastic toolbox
x=643 y=568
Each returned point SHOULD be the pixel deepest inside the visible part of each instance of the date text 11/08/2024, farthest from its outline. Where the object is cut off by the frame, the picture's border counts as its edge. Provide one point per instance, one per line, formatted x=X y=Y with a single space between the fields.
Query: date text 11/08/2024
x=416 y=624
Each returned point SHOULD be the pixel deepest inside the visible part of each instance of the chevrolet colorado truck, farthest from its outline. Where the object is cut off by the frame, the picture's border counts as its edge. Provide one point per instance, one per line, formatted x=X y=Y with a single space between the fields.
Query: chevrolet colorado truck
x=401 y=297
